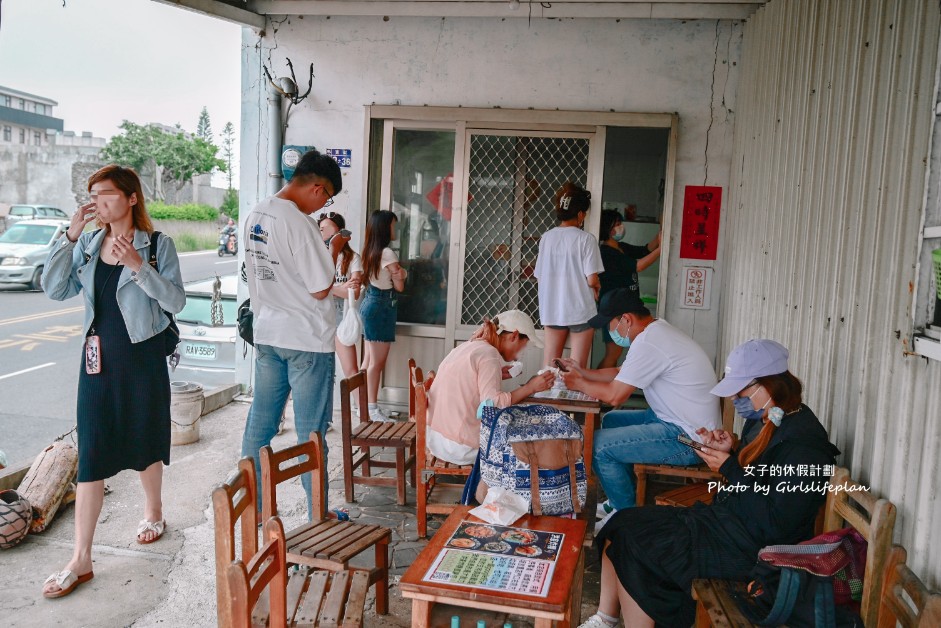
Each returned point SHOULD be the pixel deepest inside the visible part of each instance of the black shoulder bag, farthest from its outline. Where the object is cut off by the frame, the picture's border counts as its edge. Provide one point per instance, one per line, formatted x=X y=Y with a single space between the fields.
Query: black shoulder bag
x=171 y=335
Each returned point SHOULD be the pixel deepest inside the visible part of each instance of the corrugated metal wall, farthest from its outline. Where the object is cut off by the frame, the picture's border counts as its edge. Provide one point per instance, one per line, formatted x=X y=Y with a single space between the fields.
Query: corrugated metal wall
x=834 y=118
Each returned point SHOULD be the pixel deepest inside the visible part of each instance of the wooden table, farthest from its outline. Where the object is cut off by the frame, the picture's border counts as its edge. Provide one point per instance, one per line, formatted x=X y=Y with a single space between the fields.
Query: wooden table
x=562 y=604
x=588 y=415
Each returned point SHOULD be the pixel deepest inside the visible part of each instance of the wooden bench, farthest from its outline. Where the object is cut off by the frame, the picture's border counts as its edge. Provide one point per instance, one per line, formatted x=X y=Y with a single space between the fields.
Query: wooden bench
x=687 y=495
x=905 y=600
x=434 y=497
x=262 y=594
x=873 y=518
x=323 y=543
x=396 y=435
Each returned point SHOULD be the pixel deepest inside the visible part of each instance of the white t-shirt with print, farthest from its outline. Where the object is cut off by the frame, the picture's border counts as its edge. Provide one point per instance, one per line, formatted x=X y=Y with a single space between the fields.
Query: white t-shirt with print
x=356 y=266
x=675 y=375
x=383 y=281
x=286 y=261
x=567 y=256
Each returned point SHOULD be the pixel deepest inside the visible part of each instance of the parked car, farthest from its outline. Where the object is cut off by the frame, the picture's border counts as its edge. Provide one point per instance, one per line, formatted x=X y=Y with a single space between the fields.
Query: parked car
x=24 y=248
x=34 y=212
x=207 y=351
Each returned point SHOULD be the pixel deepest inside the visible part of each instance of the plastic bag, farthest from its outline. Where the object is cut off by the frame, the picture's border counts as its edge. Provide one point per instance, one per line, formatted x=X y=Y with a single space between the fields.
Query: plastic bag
x=351 y=327
x=501 y=507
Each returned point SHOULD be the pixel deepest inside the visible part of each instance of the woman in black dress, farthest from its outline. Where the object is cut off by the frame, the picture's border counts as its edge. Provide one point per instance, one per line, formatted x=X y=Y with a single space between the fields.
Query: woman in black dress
x=776 y=482
x=621 y=262
x=123 y=409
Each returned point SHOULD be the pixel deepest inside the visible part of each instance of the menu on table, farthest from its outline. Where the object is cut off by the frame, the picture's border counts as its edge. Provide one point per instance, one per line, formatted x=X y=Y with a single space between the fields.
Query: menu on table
x=565 y=394
x=500 y=558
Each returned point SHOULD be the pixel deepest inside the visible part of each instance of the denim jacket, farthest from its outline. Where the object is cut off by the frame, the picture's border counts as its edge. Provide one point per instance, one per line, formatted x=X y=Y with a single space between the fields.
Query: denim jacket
x=142 y=296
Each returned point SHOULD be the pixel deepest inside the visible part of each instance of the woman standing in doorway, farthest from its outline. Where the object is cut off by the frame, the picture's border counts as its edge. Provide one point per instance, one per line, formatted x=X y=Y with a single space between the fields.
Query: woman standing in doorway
x=621 y=262
x=123 y=388
x=379 y=309
x=567 y=270
x=349 y=277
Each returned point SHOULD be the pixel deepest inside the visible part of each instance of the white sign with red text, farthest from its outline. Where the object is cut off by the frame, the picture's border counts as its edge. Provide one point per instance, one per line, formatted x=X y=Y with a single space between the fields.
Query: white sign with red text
x=697 y=287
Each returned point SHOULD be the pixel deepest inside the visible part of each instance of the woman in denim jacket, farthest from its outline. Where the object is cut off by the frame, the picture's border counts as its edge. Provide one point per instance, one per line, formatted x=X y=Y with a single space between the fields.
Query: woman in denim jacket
x=123 y=410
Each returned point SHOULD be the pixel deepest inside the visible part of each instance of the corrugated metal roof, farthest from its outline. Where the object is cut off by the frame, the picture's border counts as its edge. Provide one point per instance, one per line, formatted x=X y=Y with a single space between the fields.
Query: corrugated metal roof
x=835 y=112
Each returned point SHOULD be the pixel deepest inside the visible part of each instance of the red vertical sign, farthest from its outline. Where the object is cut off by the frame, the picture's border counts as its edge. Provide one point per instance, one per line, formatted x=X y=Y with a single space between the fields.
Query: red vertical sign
x=700 y=237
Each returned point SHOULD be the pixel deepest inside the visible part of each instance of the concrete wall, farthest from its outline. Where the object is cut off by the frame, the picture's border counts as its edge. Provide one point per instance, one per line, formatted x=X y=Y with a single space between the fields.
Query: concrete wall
x=689 y=67
x=41 y=174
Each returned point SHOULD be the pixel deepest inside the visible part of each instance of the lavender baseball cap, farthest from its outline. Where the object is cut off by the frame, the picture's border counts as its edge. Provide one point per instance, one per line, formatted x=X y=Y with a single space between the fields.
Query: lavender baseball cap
x=753 y=358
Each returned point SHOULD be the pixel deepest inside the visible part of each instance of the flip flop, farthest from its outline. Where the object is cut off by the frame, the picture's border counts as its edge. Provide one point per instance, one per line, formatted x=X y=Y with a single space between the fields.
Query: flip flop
x=66 y=581
x=150 y=526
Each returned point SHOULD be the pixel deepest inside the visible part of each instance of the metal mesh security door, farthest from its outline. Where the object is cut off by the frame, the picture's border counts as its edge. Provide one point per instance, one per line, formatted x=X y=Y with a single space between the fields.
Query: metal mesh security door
x=512 y=181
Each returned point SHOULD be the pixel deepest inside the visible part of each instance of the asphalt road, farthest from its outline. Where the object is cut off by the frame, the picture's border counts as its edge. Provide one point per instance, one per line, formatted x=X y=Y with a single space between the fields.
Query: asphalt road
x=40 y=357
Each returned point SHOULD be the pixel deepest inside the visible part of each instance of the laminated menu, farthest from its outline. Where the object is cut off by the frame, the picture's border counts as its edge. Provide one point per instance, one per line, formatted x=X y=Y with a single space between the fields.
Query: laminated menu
x=500 y=558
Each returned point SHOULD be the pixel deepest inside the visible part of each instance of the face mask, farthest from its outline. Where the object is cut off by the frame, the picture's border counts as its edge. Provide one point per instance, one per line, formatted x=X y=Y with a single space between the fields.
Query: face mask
x=746 y=410
x=618 y=339
x=618 y=235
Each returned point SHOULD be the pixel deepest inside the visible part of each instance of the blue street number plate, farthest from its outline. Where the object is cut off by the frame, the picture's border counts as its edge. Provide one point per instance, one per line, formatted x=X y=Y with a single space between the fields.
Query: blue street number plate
x=343 y=156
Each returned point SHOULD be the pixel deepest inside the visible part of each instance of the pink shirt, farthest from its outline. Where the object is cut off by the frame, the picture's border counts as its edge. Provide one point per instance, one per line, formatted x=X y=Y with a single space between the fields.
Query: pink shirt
x=469 y=375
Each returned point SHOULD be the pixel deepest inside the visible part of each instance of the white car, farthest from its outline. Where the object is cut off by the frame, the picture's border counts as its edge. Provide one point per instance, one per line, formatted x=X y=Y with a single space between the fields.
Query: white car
x=24 y=248
x=207 y=350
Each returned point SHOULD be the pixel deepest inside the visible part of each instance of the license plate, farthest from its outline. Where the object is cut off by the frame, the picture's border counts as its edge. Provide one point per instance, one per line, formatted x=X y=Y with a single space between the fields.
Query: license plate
x=200 y=350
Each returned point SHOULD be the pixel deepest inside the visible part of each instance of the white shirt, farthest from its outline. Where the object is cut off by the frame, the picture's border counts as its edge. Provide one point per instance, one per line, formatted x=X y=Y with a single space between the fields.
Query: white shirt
x=286 y=261
x=675 y=375
x=356 y=266
x=383 y=281
x=567 y=256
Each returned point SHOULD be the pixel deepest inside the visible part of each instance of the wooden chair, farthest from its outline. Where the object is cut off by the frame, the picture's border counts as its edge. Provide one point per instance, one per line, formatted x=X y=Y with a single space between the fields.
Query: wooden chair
x=430 y=468
x=233 y=503
x=873 y=518
x=397 y=435
x=694 y=472
x=323 y=543
x=905 y=600
x=262 y=595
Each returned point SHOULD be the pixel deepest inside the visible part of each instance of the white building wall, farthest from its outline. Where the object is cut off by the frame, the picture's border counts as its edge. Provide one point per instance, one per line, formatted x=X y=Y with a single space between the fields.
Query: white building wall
x=41 y=174
x=822 y=230
x=689 y=67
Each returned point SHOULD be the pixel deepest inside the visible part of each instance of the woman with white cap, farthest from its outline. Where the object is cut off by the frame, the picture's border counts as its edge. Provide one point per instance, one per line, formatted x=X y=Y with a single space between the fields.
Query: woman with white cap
x=651 y=555
x=469 y=377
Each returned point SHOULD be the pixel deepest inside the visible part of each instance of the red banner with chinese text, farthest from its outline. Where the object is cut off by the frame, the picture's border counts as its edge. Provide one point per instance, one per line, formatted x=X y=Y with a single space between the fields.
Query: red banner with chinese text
x=700 y=236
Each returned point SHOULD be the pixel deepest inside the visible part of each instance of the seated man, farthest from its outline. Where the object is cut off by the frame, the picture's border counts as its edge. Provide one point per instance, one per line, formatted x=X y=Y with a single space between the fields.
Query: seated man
x=676 y=377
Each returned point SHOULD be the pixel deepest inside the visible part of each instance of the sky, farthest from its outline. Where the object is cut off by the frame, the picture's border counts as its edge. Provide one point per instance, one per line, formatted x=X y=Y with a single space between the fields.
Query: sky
x=105 y=61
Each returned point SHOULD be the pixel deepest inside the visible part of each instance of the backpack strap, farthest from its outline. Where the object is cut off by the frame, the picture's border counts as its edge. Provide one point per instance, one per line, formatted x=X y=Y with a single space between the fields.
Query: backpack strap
x=788 y=587
x=572 y=453
x=528 y=449
x=154 y=240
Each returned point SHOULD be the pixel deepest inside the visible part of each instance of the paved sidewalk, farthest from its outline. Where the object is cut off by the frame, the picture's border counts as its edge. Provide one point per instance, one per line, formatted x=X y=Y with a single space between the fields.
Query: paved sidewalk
x=172 y=582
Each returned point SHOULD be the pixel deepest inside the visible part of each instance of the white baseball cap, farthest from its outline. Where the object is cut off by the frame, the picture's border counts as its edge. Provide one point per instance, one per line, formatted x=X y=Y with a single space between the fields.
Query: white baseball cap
x=515 y=320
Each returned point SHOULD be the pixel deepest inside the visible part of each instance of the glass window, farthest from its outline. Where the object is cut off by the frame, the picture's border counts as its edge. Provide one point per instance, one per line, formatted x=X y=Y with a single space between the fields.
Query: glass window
x=21 y=210
x=40 y=109
x=422 y=179
x=7 y=134
x=28 y=234
x=7 y=101
x=198 y=311
x=22 y=136
x=37 y=138
x=22 y=104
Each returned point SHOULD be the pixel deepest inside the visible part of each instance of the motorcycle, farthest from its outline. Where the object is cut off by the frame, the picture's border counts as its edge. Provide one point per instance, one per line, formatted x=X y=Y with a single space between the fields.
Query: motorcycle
x=228 y=244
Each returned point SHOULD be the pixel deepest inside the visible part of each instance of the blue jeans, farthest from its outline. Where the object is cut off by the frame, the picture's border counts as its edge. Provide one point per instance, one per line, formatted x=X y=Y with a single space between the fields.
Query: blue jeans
x=629 y=436
x=309 y=377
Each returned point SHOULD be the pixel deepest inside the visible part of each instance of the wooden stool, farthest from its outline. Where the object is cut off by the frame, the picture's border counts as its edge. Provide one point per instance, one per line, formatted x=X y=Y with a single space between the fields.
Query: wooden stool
x=397 y=435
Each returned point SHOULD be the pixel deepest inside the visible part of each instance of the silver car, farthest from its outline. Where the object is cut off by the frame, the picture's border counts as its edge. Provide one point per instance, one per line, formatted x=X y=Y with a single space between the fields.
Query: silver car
x=24 y=248
x=207 y=346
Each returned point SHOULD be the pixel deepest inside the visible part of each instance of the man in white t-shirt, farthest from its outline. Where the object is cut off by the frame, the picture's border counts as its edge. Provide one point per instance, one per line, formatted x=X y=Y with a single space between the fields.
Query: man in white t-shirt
x=290 y=273
x=676 y=377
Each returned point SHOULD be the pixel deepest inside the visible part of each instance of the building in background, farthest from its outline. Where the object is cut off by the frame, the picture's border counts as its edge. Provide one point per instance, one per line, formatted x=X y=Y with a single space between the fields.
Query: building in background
x=38 y=157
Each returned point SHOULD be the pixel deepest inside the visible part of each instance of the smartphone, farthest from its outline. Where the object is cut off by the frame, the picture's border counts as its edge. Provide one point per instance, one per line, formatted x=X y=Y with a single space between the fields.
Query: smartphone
x=689 y=442
x=556 y=362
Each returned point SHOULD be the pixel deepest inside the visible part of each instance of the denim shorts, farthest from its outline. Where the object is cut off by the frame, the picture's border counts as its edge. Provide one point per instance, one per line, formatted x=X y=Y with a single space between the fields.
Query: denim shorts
x=379 y=310
x=575 y=329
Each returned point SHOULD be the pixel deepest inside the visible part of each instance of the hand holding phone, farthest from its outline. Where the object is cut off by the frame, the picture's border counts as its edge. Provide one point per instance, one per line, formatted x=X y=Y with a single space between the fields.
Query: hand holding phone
x=689 y=442
x=556 y=362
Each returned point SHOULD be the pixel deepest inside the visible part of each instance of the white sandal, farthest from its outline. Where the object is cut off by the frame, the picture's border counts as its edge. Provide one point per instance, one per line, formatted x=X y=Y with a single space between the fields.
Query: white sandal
x=66 y=581
x=150 y=526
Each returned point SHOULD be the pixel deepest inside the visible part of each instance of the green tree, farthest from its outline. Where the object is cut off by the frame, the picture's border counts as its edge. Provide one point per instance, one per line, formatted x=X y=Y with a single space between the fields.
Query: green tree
x=228 y=149
x=203 y=127
x=162 y=157
x=230 y=204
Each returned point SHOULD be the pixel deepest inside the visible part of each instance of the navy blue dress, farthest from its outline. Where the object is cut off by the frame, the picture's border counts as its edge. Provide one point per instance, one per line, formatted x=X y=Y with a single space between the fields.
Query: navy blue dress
x=123 y=412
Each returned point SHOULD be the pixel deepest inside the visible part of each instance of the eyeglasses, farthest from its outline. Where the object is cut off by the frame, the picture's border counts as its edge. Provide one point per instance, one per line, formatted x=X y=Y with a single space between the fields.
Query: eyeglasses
x=740 y=394
x=329 y=197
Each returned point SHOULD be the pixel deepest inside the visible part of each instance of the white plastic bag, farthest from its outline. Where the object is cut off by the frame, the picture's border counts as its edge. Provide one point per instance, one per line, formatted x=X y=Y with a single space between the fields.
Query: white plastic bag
x=501 y=507
x=351 y=327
